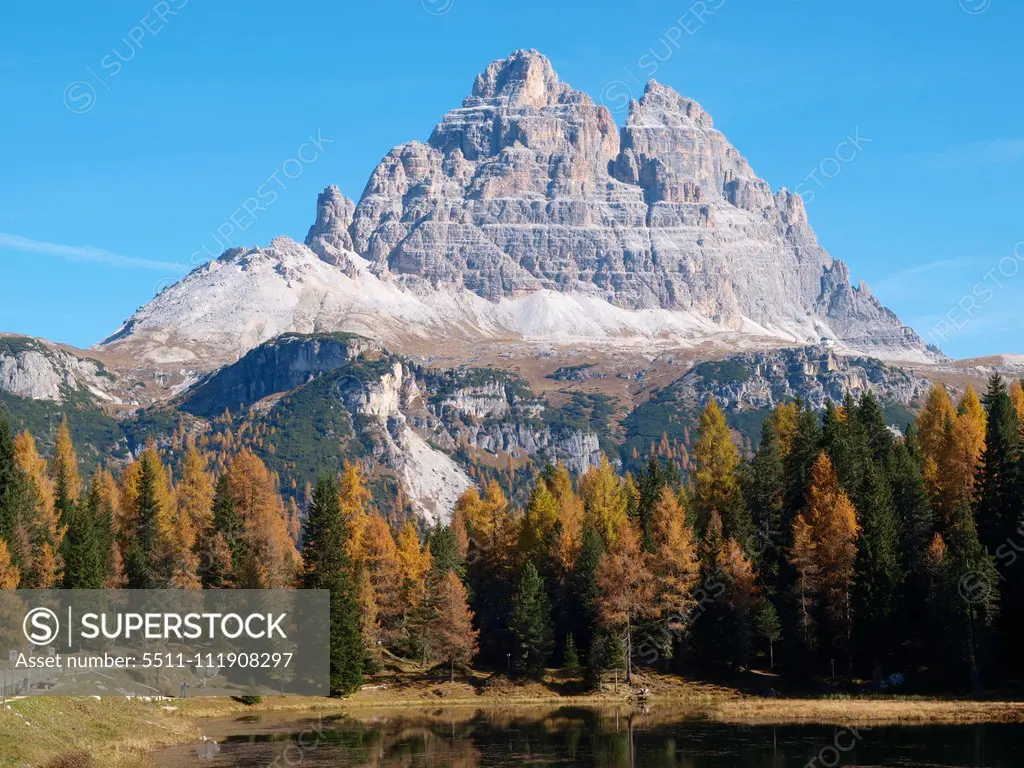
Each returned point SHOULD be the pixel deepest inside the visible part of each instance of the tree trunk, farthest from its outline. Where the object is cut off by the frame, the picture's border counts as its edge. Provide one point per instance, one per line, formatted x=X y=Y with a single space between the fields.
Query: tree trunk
x=629 y=651
x=771 y=656
x=453 y=672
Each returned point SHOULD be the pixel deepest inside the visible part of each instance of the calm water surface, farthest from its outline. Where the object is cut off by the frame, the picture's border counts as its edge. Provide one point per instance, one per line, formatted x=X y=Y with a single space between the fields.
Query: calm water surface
x=577 y=737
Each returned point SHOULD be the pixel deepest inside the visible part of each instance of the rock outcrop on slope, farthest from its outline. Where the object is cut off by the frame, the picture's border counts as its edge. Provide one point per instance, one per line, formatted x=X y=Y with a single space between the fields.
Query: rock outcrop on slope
x=38 y=370
x=815 y=375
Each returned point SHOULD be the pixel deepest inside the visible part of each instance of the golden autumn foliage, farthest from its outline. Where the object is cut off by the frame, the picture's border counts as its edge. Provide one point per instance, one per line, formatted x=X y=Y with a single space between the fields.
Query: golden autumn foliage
x=10 y=575
x=271 y=557
x=785 y=419
x=64 y=462
x=355 y=497
x=673 y=562
x=961 y=452
x=931 y=432
x=604 y=501
x=715 y=457
x=450 y=635
x=1016 y=392
x=570 y=518
x=381 y=594
x=626 y=587
x=195 y=491
x=825 y=535
x=744 y=594
x=537 y=534
x=43 y=533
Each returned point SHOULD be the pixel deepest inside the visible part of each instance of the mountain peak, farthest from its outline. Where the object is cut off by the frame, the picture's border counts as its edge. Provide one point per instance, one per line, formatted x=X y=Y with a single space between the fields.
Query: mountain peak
x=524 y=79
x=329 y=236
x=658 y=99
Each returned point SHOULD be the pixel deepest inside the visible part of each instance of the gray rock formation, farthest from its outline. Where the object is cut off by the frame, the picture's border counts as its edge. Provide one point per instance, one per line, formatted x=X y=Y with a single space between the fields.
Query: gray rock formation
x=38 y=370
x=287 y=362
x=530 y=185
x=815 y=374
x=329 y=236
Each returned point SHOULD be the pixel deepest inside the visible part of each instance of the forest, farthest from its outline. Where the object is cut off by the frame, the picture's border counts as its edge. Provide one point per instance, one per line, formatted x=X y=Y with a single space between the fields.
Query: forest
x=840 y=548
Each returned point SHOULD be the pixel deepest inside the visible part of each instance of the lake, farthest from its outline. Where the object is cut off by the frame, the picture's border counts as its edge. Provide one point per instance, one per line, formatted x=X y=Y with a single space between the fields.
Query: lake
x=580 y=737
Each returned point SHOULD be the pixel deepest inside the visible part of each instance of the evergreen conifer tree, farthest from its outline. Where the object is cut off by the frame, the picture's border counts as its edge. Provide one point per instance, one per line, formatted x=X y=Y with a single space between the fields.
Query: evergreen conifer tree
x=326 y=565
x=530 y=624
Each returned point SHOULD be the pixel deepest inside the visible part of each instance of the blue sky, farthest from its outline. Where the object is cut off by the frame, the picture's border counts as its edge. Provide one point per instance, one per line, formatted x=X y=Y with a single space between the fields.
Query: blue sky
x=115 y=173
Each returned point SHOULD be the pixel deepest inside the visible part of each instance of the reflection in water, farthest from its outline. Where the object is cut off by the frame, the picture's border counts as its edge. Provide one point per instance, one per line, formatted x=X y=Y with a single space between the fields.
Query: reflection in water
x=578 y=737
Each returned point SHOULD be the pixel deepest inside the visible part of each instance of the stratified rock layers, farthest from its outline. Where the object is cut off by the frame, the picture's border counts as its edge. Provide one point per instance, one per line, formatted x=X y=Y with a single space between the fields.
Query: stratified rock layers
x=529 y=185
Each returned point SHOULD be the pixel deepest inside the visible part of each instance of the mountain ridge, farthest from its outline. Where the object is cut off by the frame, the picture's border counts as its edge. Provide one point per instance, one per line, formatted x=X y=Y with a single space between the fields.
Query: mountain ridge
x=528 y=214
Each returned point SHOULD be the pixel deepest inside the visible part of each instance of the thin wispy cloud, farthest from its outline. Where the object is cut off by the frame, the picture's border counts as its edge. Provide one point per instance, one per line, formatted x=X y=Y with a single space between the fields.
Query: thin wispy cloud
x=84 y=253
x=901 y=281
x=977 y=154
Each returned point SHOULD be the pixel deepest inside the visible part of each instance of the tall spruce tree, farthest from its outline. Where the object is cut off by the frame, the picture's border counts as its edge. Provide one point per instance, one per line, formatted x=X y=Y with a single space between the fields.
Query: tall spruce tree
x=766 y=497
x=326 y=565
x=971 y=595
x=651 y=480
x=879 y=570
x=530 y=624
x=143 y=547
x=583 y=586
x=806 y=446
x=86 y=546
x=916 y=524
x=998 y=506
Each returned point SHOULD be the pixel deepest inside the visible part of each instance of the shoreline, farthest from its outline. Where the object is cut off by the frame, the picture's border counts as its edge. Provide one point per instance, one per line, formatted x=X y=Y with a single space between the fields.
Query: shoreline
x=125 y=733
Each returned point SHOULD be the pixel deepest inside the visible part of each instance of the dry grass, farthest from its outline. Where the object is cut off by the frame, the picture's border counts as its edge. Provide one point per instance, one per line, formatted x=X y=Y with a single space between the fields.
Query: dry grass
x=115 y=732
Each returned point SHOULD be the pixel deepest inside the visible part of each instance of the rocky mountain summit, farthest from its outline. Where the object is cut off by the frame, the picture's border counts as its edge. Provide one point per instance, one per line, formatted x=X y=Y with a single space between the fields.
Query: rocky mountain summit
x=528 y=214
x=529 y=185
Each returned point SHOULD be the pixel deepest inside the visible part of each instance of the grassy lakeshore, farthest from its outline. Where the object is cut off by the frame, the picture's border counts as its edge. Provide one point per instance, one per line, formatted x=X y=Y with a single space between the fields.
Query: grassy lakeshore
x=121 y=733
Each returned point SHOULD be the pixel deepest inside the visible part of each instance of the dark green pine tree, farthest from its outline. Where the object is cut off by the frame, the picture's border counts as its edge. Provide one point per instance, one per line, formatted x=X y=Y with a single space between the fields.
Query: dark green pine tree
x=914 y=513
x=766 y=497
x=570 y=657
x=326 y=565
x=9 y=480
x=970 y=607
x=17 y=499
x=141 y=559
x=915 y=520
x=805 y=449
x=444 y=551
x=998 y=489
x=879 y=577
x=583 y=584
x=871 y=419
x=650 y=482
x=63 y=502
x=845 y=442
x=86 y=546
x=530 y=624
x=769 y=628
x=226 y=519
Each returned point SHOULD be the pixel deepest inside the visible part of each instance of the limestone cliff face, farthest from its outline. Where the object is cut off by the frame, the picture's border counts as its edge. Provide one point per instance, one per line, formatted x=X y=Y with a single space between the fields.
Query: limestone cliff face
x=816 y=375
x=283 y=364
x=329 y=236
x=422 y=425
x=35 y=369
x=530 y=185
